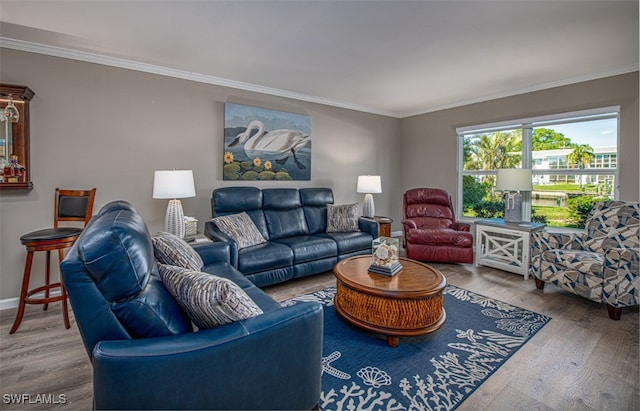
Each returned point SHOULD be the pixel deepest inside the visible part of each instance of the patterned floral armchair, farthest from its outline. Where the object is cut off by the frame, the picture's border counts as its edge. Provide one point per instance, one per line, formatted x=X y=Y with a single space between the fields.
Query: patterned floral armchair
x=600 y=264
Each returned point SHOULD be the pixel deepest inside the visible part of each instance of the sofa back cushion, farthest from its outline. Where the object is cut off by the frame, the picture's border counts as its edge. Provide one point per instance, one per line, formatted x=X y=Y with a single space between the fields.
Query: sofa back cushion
x=428 y=207
x=233 y=200
x=283 y=213
x=314 y=203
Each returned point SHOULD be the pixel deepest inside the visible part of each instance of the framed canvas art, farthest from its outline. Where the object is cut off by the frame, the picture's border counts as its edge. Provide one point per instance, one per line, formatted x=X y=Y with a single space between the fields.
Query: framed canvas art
x=263 y=144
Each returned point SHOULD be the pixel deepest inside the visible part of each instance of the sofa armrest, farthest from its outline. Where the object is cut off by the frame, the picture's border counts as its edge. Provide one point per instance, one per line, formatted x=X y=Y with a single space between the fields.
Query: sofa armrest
x=369 y=226
x=213 y=232
x=272 y=361
x=216 y=252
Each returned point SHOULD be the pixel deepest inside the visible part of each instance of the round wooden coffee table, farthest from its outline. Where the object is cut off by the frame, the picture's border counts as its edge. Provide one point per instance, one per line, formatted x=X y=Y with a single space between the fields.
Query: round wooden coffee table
x=409 y=303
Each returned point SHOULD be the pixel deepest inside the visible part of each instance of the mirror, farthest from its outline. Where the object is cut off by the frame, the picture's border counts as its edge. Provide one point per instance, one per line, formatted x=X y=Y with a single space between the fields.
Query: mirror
x=14 y=136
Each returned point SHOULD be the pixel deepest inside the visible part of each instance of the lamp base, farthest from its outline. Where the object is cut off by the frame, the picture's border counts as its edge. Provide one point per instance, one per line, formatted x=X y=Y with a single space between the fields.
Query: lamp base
x=174 y=218
x=513 y=208
x=368 y=208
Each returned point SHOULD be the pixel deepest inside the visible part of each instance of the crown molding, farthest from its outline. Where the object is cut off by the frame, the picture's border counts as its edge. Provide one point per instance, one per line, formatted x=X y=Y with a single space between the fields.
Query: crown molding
x=219 y=81
x=181 y=74
x=540 y=87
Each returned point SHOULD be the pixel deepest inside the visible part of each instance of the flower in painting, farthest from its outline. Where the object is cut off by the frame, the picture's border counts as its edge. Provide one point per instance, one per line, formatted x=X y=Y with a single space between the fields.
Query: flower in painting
x=267 y=165
x=257 y=162
x=228 y=157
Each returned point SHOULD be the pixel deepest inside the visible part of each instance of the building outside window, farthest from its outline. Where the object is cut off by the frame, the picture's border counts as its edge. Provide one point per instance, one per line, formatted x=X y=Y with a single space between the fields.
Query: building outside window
x=573 y=157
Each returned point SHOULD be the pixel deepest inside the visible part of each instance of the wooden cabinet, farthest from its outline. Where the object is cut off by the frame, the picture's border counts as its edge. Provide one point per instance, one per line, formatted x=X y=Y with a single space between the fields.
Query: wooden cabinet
x=15 y=136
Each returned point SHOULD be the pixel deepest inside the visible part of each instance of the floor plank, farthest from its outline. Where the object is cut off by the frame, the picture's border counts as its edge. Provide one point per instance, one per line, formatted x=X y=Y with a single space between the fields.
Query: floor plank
x=581 y=360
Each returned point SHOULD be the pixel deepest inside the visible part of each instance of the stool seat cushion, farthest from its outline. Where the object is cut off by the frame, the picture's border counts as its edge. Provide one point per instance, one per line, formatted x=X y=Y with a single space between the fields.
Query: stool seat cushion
x=49 y=234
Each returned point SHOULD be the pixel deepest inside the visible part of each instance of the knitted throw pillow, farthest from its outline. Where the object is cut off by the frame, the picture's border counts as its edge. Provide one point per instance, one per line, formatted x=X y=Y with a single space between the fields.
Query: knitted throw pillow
x=173 y=250
x=342 y=218
x=241 y=228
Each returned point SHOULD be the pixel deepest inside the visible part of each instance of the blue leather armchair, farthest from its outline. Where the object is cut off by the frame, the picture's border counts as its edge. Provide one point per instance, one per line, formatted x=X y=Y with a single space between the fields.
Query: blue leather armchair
x=142 y=346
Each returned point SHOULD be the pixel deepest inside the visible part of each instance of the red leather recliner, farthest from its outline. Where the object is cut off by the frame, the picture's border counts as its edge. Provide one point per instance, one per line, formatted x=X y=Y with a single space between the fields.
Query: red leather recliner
x=430 y=230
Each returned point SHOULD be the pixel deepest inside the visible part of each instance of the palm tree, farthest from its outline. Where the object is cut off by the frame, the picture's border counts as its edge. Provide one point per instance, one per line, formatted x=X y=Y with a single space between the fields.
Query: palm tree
x=580 y=157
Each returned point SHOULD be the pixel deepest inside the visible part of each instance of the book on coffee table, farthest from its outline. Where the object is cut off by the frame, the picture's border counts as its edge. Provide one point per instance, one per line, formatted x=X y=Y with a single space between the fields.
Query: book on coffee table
x=384 y=270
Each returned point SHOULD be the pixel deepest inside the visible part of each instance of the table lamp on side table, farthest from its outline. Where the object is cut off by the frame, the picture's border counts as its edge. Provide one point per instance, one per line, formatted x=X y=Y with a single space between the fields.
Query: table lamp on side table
x=512 y=181
x=369 y=185
x=173 y=185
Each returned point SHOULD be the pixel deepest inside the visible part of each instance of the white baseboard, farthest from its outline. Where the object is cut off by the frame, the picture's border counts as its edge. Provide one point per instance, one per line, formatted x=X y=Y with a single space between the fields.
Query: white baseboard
x=396 y=234
x=9 y=303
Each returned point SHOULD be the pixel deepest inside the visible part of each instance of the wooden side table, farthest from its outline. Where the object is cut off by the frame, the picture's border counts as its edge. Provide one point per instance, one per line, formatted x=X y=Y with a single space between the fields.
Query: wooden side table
x=385 y=225
x=505 y=246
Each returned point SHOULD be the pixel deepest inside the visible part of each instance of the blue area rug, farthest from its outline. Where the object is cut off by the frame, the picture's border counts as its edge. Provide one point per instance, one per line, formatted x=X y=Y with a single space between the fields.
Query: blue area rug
x=431 y=372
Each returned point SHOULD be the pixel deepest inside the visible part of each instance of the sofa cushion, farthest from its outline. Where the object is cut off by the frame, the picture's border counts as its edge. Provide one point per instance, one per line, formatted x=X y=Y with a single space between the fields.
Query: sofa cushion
x=309 y=247
x=172 y=250
x=342 y=218
x=209 y=300
x=241 y=228
x=351 y=242
x=264 y=257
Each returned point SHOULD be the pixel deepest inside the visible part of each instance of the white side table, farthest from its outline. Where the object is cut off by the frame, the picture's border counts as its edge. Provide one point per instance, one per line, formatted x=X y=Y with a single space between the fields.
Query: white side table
x=505 y=246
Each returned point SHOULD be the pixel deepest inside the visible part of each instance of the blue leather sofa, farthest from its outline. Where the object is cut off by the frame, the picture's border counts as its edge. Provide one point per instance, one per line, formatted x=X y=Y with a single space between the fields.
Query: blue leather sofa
x=144 y=352
x=294 y=223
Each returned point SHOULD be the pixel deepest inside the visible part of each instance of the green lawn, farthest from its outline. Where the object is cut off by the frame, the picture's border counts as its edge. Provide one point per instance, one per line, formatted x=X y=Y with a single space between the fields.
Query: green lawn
x=556 y=216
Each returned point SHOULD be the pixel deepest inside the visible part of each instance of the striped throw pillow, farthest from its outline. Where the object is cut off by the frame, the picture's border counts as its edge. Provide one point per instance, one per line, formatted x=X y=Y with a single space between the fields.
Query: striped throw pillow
x=241 y=228
x=342 y=218
x=170 y=249
x=207 y=299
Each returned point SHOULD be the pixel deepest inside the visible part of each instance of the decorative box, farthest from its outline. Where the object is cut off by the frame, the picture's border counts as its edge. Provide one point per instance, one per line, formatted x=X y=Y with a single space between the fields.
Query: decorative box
x=385 y=256
x=190 y=226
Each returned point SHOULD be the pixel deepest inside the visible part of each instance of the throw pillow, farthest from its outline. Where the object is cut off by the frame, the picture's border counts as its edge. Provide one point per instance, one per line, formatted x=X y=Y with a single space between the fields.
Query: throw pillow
x=241 y=228
x=342 y=218
x=209 y=300
x=170 y=249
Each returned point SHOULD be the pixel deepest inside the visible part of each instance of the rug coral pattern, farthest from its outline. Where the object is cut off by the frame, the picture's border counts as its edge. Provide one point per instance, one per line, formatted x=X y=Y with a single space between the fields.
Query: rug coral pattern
x=432 y=372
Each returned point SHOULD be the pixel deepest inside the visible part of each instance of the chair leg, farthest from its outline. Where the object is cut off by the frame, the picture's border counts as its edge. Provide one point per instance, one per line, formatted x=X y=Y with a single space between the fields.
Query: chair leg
x=23 y=292
x=539 y=283
x=47 y=280
x=63 y=289
x=614 y=312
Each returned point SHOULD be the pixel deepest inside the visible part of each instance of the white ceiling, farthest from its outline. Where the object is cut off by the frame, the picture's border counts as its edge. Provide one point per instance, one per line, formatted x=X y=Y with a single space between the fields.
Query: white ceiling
x=395 y=58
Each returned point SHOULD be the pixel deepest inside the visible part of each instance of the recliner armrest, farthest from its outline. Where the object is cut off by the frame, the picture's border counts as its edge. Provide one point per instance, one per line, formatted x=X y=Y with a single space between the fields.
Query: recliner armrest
x=219 y=368
x=213 y=232
x=459 y=226
x=215 y=252
x=409 y=224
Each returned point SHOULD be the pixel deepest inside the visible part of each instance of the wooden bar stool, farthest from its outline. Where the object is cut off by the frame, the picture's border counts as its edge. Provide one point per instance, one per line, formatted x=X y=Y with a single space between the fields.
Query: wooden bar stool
x=70 y=205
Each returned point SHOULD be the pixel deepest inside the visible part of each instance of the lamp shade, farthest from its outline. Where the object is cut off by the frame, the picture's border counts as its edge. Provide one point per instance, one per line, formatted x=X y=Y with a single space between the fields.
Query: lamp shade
x=514 y=179
x=369 y=185
x=170 y=184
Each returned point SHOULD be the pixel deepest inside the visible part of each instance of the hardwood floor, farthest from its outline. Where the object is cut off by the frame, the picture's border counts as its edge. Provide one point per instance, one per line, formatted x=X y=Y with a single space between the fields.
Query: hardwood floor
x=581 y=360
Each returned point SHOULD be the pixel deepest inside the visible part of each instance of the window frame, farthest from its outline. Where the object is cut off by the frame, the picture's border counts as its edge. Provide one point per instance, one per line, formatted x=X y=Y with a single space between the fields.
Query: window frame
x=527 y=125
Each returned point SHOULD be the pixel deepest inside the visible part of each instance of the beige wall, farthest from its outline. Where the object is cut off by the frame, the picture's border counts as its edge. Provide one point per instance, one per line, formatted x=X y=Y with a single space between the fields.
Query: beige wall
x=110 y=128
x=429 y=141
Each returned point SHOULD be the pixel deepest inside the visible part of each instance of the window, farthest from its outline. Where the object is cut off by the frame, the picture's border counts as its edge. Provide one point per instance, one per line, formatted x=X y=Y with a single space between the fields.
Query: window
x=573 y=157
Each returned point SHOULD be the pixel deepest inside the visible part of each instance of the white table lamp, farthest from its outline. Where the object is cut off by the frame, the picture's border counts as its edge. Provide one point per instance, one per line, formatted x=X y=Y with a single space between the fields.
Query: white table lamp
x=369 y=185
x=173 y=185
x=512 y=181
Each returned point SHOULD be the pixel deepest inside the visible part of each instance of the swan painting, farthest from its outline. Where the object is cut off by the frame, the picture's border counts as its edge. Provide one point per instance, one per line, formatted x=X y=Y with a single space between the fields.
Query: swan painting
x=265 y=144
x=276 y=145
